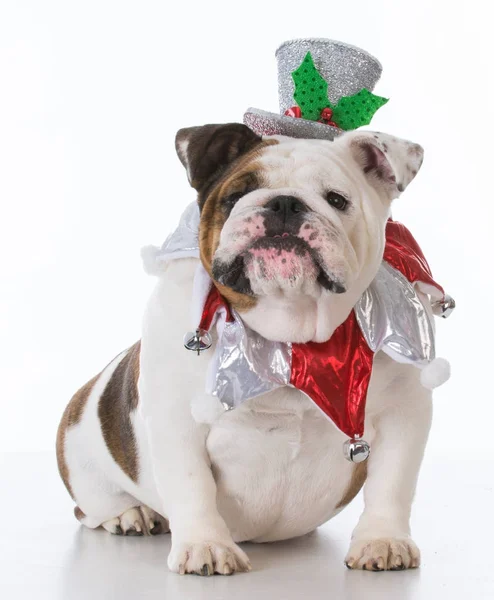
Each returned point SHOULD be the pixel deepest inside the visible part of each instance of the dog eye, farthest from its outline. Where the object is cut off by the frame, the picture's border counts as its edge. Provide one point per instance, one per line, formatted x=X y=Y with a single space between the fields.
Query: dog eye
x=336 y=200
x=232 y=199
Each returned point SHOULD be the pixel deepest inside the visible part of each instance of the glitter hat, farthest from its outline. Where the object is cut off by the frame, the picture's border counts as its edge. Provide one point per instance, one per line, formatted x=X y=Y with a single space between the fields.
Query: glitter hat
x=324 y=89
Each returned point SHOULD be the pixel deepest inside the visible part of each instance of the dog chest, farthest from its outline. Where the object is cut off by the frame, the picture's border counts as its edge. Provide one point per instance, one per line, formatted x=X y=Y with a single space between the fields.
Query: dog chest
x=279 y=467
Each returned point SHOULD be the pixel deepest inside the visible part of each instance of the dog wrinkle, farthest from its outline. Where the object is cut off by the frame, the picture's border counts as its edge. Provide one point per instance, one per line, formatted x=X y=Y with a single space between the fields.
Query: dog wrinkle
x=213 y=219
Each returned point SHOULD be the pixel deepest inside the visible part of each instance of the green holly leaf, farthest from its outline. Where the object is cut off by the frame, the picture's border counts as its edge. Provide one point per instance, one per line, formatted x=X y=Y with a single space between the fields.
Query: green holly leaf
x=311 y=89
x=354 y=111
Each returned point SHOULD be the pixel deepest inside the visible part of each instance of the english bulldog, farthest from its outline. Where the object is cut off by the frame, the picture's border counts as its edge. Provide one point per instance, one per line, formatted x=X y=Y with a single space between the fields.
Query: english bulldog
x=292 y=233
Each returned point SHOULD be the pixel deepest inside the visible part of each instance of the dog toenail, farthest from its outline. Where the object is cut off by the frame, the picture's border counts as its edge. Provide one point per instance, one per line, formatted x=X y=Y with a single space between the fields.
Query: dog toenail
x=156 y=529
x=206 y=571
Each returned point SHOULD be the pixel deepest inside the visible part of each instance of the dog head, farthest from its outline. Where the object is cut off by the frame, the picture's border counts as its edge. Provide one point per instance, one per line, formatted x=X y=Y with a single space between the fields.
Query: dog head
x=292 y=231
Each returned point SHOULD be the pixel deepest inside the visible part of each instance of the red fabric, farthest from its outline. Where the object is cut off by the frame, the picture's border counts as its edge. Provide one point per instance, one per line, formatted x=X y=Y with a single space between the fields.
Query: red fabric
x=336 y=375
x=404 y=254
x=214 y=301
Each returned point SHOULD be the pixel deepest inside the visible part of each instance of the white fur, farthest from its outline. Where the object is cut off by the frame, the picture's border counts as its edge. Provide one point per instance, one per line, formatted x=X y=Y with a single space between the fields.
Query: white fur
x=273 y=468
x=206 y=408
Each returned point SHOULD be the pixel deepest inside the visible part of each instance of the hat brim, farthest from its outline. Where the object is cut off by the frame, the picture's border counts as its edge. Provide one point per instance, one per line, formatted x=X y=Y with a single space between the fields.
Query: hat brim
x=266 y=124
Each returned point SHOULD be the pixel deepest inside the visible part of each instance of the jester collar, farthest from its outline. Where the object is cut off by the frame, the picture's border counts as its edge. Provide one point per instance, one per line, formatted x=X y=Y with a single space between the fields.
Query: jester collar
x=390 y=316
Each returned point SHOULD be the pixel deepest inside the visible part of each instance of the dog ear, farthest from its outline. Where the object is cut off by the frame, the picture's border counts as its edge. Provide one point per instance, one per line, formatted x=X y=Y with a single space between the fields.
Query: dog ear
x=389 y=162
x=207 y=151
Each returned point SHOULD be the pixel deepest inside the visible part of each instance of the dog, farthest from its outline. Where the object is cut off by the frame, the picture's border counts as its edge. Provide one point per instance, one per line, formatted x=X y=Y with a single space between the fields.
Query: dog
x=292 y=232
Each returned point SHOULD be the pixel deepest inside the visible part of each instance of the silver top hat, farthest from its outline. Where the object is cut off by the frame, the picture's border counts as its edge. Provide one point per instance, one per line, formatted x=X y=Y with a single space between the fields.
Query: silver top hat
x=347 y=70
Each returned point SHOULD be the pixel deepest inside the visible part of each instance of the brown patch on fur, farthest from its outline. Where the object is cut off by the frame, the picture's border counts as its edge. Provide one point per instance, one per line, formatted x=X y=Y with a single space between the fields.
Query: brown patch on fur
x=118 y=400
x=359 y=475
x=208 y=151
x=243 y=174
x=79 y=515
x=71 y=416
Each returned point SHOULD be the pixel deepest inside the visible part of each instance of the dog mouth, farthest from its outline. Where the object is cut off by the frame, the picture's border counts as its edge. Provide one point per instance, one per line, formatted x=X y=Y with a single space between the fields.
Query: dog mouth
x=279 y=253
x=285 y=241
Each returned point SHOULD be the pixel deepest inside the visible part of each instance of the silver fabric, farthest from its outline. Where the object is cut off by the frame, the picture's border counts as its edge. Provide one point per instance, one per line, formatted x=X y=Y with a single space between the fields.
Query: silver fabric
x=393 y=318
x=246 y=365
x=184 y=241
x=265 y=124
x=347 y=69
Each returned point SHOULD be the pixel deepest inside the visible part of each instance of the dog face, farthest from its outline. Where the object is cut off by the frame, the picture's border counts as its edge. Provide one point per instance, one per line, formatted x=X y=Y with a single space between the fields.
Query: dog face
x=294 y=226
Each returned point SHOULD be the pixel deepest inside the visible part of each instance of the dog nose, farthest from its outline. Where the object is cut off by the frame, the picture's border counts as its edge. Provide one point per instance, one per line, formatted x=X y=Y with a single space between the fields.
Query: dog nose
x=286 y=206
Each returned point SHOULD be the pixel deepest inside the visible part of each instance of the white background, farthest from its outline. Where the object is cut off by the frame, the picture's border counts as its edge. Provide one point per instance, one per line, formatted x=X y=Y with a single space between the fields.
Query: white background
x=91 y=96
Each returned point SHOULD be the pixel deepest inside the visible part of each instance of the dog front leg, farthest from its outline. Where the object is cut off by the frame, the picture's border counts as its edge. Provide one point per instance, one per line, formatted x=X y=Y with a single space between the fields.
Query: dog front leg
x=201 y=541
x=382 y=539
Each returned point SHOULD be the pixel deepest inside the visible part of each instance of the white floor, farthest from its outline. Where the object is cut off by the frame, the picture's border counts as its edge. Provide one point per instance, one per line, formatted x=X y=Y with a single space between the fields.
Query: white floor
x=45 y=554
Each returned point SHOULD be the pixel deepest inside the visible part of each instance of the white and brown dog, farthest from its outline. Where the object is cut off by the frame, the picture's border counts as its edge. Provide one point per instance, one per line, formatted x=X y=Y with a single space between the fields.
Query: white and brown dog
x=292 y=232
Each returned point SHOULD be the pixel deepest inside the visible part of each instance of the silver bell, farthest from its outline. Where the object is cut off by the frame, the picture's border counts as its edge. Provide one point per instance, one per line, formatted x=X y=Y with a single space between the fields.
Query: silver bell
x=356 y=450
x=198 y=340
x=443 y=308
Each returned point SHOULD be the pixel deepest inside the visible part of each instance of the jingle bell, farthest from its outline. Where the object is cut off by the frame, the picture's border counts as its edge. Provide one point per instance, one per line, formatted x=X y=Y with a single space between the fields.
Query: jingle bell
x=444 y=307
x=356 y=450
x=198 y=341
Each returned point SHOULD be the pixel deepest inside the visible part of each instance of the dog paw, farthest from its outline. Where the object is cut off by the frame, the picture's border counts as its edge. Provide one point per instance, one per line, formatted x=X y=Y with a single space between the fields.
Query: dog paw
x=384 y=554
x=207 y=558
x=137 y=521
